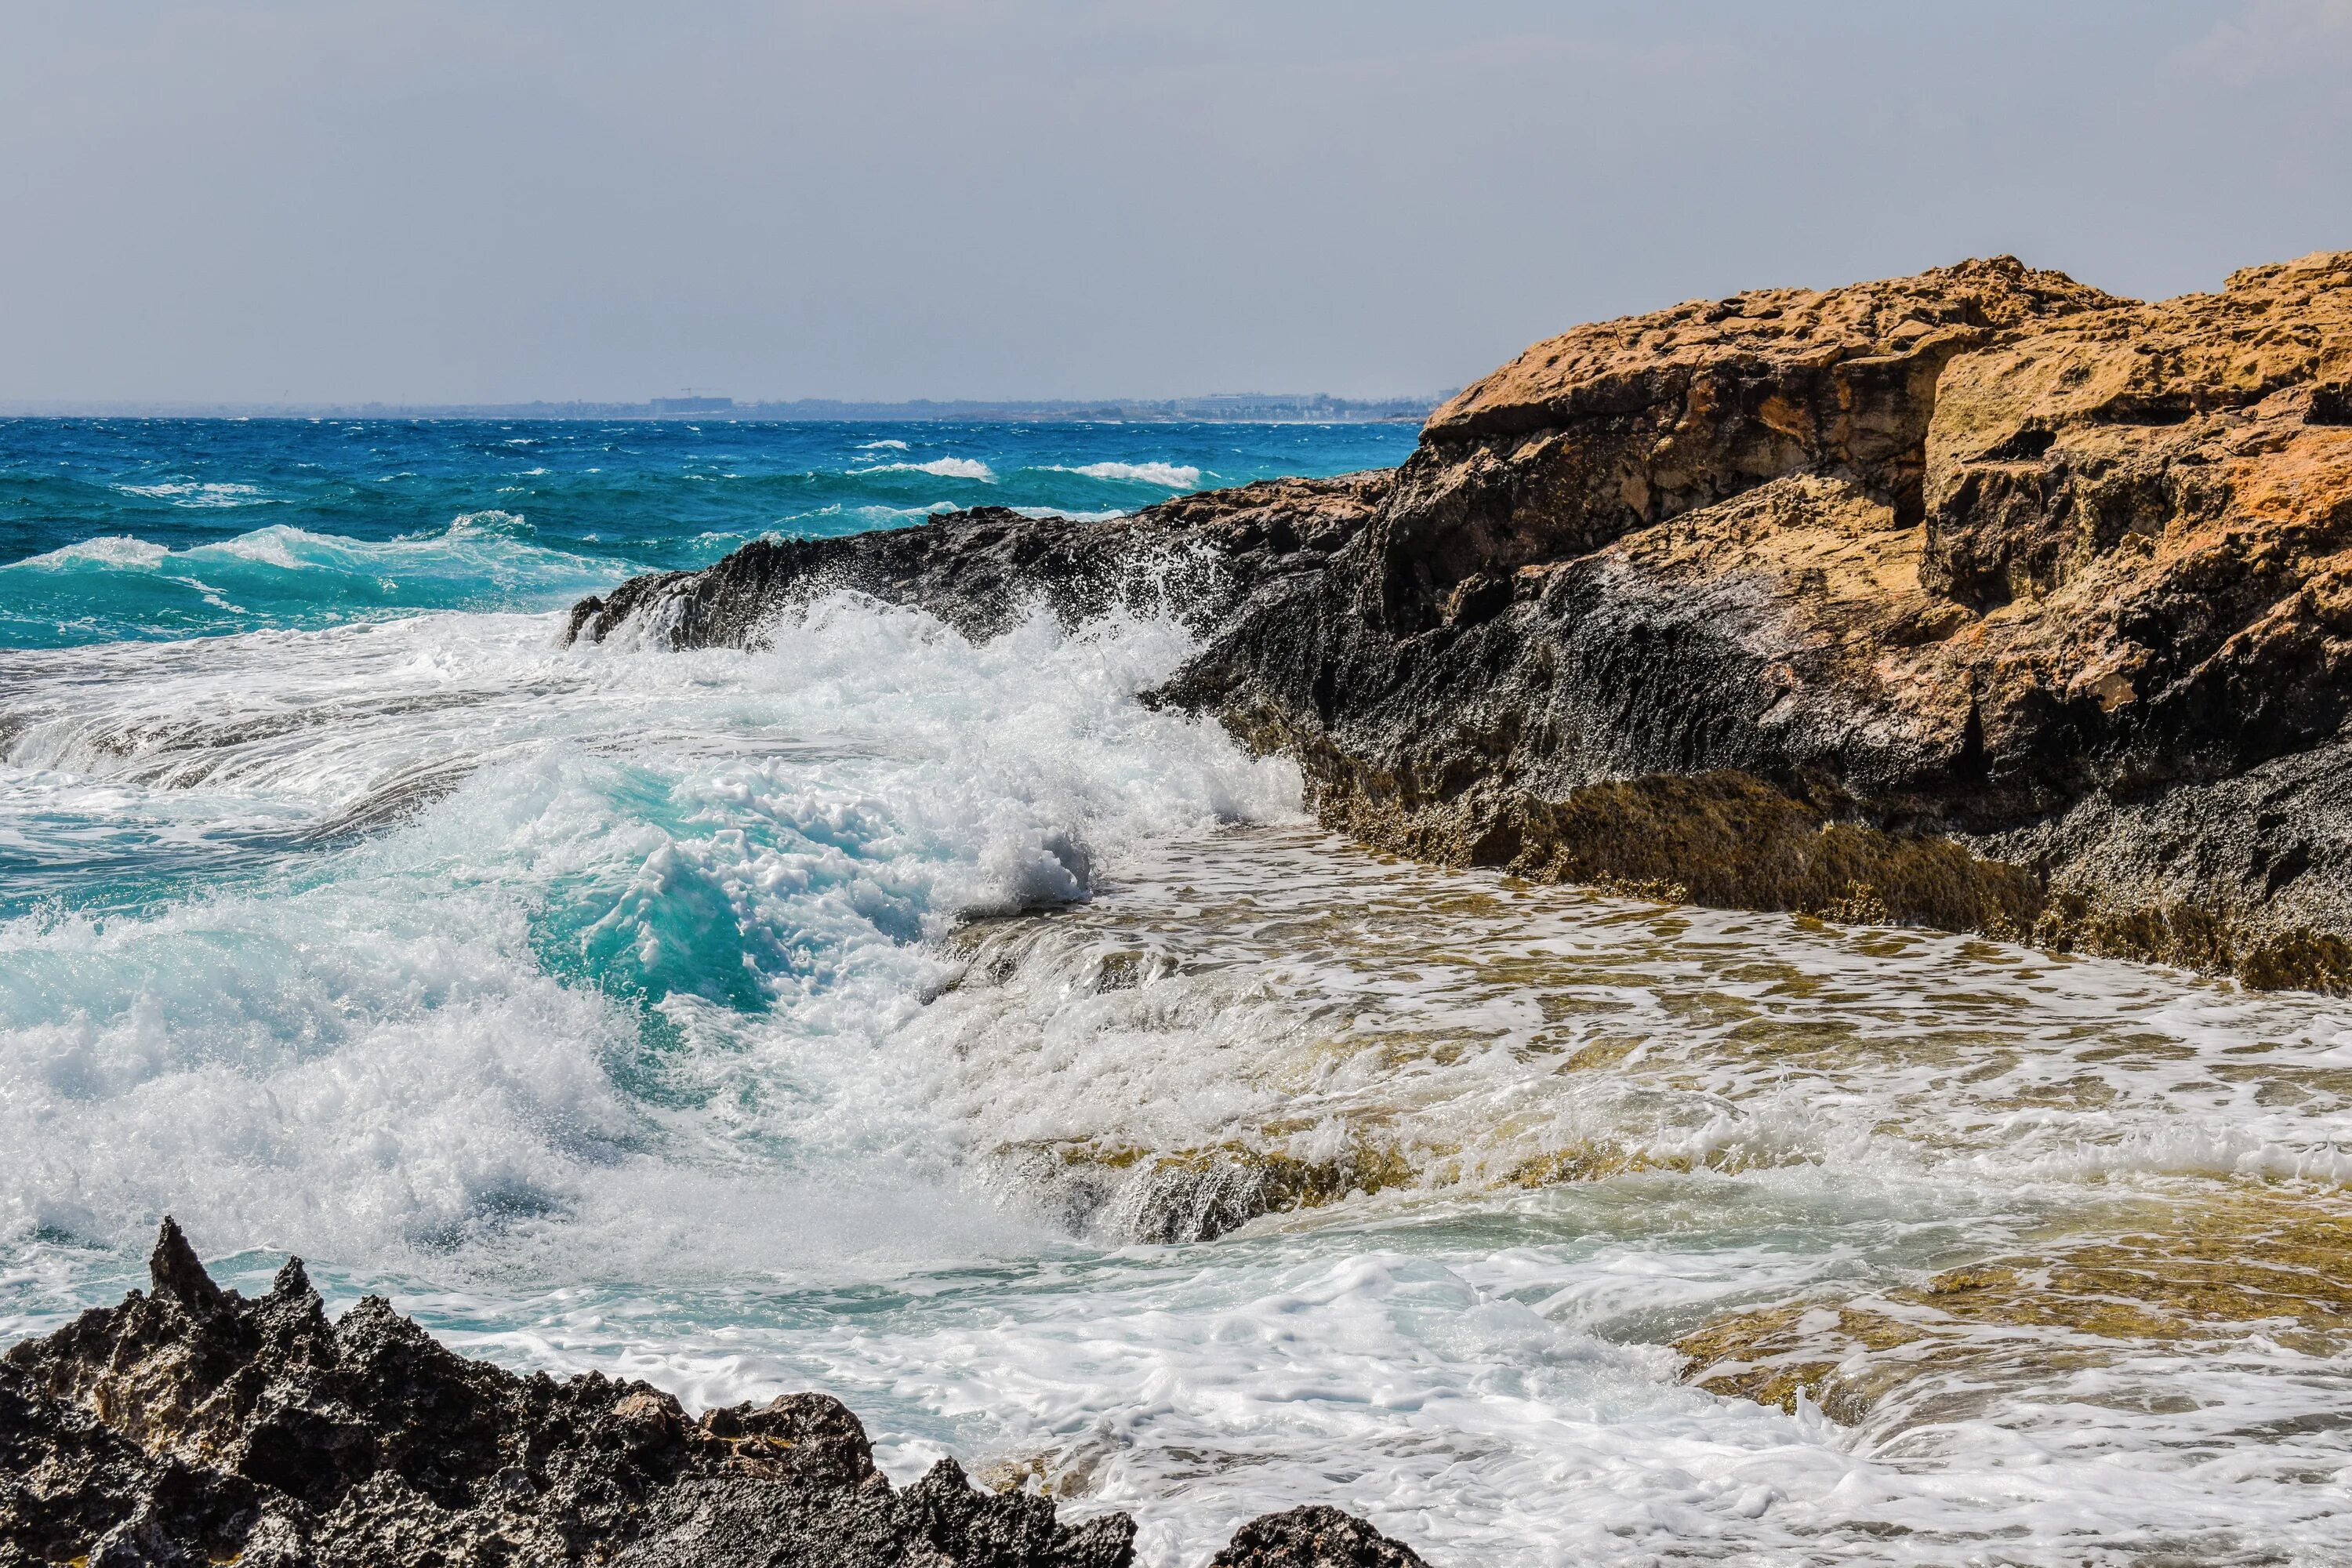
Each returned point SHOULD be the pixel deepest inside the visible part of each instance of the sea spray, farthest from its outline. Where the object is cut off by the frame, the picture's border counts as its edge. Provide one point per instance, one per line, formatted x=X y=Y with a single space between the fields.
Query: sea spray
x=665 y=875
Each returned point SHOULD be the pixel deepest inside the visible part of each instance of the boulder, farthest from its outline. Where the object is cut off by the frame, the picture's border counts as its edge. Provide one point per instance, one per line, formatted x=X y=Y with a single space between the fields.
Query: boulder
x=1313 y=1536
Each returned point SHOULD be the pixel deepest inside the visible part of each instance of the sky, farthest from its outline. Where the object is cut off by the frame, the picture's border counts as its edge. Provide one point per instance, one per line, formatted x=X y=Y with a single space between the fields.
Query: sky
x=294 y=200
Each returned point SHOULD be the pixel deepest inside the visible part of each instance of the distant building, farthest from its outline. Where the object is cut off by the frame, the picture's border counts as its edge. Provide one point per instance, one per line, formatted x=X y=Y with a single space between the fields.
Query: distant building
x=693 y=405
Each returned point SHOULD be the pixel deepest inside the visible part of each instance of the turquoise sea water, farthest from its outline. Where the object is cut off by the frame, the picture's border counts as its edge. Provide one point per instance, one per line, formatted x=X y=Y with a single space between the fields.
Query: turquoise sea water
x=856 y=1013
x=146 y=528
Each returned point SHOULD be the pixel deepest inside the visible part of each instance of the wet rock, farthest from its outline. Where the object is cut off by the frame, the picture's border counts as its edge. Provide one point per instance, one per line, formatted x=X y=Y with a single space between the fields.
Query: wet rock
x=1980 y=599
x=980 y=569
x=1313 y=1538
x=189 y=1426
x=1173 y=1196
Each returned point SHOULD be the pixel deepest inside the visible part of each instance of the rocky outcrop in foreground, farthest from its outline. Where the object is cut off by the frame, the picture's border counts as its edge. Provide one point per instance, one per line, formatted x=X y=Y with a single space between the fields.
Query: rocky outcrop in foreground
x=1980 y=599
x=189 y=1426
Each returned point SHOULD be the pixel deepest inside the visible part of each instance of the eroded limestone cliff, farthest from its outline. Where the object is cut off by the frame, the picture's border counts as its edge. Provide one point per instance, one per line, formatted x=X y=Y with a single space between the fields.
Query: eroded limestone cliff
x=1978 y=599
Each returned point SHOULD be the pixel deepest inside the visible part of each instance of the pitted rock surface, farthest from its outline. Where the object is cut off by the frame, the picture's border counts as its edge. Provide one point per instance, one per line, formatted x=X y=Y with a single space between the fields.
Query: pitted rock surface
x=190 y=1426
x=1313 y=1536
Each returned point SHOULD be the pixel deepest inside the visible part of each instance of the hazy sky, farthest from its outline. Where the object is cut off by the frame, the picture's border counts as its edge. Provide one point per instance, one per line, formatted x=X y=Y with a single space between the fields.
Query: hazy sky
x=353 y=199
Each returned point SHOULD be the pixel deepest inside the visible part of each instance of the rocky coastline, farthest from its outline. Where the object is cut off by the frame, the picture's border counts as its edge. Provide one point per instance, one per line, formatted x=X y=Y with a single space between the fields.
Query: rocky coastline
x=1980 y=599
x=189 y=1426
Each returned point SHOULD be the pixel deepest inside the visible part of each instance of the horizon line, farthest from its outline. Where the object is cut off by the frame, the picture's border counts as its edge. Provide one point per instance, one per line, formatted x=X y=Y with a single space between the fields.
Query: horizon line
x=1238 y=407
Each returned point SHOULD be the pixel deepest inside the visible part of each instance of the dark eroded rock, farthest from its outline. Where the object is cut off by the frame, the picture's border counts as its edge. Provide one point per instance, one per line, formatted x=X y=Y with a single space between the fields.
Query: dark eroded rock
x=980 y=569
x=1313 y=1536
x=190 y=1426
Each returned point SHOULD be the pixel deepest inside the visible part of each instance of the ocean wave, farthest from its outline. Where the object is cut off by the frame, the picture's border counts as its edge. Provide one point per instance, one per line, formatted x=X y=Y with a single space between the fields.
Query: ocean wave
x=635 y=910
x=944 y=468
x=121 y=587
x=651 y=1011
x=1169 y=476
x=108 y=551
x=193 y=493
x=882 y=446
x=492 y=521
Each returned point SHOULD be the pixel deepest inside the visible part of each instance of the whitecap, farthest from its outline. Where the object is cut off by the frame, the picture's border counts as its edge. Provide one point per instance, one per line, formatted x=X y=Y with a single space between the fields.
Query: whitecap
x=191 y=493
x=945 y=468
x=490 y=522
x=1170 y=476
x=112 y=549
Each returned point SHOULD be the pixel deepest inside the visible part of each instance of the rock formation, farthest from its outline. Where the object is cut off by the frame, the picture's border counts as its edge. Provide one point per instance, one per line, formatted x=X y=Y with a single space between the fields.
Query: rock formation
x=1978 y=599
x=189 y=1426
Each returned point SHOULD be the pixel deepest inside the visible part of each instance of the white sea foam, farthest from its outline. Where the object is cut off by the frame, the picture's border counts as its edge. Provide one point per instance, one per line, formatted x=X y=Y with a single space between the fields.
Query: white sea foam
x=658 y=820
x=491 y=521
x=114 y=550
x=945 y=468
x=1073 y=516
x=882 y=446
x=196 y=493
x=1173 y=476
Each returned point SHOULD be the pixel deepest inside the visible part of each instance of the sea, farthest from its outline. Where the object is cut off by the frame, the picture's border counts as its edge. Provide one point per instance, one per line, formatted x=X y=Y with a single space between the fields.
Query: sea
x=882 y=1013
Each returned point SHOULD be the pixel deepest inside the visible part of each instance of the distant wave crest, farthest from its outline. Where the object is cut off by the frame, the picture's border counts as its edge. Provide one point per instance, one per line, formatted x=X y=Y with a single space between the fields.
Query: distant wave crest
x=945 y=468
x=1173 y=476
x=190 y=493
x=116 y=585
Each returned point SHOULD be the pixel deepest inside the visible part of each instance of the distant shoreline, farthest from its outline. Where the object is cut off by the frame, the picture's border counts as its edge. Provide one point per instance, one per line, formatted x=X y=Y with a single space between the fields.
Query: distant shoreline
x=1223 y=409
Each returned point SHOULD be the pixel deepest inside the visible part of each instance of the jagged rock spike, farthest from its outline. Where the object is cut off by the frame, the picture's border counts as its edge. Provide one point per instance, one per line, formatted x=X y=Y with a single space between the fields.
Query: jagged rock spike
x=178 y=1273
x=292 y=1280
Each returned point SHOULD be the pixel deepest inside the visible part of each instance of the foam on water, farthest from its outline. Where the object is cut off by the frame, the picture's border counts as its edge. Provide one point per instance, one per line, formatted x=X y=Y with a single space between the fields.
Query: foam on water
x=1173 y=476
x=732 y=859
x=849 y=1014
x=285 y=575
x=192 y=493
x=945 y=468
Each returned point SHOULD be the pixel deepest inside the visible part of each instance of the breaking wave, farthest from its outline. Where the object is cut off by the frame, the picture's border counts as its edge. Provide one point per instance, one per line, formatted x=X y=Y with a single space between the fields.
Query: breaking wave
x=118 y=587
x=945 y=468
x=1170 y=476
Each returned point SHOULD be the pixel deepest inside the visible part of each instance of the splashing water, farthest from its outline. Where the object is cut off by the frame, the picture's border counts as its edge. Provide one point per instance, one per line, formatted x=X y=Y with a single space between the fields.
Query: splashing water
x=943 y=1027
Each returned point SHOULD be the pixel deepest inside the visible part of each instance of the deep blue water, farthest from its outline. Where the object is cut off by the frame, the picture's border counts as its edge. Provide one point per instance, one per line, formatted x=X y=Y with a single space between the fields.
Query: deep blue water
x=120 y=529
